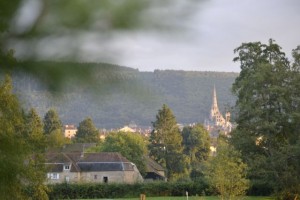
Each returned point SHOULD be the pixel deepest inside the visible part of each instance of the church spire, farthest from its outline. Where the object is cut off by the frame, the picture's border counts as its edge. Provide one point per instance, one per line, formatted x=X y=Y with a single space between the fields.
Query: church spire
x=214 y=106
x=214 y=100
x=215 y=114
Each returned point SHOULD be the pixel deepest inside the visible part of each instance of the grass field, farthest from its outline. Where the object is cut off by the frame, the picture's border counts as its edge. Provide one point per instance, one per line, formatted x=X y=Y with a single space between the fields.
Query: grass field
x=192 y=198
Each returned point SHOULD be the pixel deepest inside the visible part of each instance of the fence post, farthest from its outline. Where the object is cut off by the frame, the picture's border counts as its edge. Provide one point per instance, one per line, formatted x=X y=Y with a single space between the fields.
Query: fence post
x=142 y=197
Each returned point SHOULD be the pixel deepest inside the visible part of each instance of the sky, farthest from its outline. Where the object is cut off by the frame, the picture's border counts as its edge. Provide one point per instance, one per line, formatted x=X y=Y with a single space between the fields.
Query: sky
x=211 y=34
x=193 y=35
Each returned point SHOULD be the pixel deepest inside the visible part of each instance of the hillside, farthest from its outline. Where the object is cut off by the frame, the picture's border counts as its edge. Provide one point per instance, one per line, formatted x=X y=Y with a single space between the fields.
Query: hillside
x=119 y=95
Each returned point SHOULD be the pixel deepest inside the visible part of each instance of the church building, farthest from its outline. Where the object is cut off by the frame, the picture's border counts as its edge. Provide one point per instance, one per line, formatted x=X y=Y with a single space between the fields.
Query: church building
x=216 y=122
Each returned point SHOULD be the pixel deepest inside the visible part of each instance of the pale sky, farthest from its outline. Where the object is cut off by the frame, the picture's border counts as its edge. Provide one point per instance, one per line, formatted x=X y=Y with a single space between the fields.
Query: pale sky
x=212 y=34
x=206 y=33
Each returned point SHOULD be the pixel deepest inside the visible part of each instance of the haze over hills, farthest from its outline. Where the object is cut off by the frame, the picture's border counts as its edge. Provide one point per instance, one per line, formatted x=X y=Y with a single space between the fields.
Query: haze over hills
x=120 y=95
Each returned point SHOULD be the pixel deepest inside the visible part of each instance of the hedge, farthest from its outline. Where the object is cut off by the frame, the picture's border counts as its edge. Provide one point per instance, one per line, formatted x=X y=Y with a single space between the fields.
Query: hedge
x=92 y=190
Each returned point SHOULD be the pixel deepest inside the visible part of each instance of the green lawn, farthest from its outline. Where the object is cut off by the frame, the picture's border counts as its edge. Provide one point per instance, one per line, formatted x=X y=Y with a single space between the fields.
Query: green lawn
x=192 y=198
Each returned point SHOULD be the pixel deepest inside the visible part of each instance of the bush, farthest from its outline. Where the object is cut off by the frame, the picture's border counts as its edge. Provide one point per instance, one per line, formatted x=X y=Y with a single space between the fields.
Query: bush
x=91 y=190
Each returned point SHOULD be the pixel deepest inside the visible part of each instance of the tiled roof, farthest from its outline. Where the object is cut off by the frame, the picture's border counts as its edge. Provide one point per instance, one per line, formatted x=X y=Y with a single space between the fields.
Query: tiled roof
x=95 y=167
x=153 y=166
x=88 y=162
x=54 y=167
x=57 y=158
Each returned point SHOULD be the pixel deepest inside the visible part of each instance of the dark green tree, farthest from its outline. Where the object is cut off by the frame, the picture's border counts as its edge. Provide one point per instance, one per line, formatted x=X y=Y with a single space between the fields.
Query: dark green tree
x=267 y=113
x=196 y=142
x=12 y=148
x=36 y=141
x=34 y=131
x=130 y=145
x=52 y=122
x=87 y=132
x=18 y=144
x=166 y=144
x=53 y=129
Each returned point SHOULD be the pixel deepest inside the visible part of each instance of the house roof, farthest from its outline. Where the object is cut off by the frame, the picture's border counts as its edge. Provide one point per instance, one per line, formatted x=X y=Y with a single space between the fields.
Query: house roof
x=88 y=162
x=54 y=167
x=153 y=166
x=154 y=169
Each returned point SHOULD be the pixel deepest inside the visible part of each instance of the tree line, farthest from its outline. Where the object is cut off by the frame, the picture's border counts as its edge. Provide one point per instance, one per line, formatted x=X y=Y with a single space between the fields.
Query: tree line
x=116 y=95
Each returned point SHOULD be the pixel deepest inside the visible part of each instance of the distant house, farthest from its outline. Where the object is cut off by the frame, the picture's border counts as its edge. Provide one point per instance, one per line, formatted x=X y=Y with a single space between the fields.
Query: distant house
x=127 y=129
x=90 y=167
x=70 y=131
x=154 y=171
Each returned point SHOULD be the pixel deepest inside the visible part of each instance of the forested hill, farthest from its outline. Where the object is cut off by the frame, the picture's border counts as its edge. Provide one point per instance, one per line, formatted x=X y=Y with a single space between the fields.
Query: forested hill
x=117 y=96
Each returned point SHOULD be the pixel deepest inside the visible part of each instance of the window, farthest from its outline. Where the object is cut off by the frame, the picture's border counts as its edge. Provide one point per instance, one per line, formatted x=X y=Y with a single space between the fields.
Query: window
x=95 y=176
x=66 y=167
x=53 y=176
x=105 y=179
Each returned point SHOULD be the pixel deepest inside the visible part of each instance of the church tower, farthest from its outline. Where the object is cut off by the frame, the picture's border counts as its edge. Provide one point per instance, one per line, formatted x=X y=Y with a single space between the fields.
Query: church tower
x=216 y=124
x=215 y=114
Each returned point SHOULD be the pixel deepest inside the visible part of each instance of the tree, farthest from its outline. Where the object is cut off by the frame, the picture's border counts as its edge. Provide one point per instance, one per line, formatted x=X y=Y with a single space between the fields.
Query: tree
x=196 y=143
x=130 y=145
x=166 y=144
x=36 y=142
x=87 y=132
x=52 y=122
x=12 y=147
x=267 y=112
x=34 y=131
x=226 y=172
x=18 y=142
x=53 y=129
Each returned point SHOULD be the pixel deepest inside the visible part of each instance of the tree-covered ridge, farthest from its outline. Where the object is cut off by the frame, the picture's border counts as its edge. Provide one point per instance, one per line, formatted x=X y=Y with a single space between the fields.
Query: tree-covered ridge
x=114 y=95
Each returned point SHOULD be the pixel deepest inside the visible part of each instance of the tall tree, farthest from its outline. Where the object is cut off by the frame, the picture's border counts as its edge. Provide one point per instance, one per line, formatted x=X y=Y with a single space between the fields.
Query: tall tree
x=34 y=131
x=267 y=110
x=226 y=172
x=17 y=148
x=87 y=132
x=130 y=145
x=166 y=143
x=196 y=142
x=52 y=122
x=53 y=129
x=36 y=141
x=13 y=151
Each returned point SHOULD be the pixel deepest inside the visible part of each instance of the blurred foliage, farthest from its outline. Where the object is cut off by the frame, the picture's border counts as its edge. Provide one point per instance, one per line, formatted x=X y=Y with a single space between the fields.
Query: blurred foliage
x=63 y=30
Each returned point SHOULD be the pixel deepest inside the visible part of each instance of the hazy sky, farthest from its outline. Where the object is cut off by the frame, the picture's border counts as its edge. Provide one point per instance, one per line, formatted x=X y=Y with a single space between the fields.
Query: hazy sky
x=211 y=34
x=190 y=35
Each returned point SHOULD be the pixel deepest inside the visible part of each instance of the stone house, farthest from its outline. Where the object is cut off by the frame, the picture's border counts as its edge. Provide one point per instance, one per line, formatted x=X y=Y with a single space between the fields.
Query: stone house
x=70 y=131
x=90 y=167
